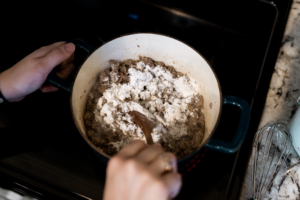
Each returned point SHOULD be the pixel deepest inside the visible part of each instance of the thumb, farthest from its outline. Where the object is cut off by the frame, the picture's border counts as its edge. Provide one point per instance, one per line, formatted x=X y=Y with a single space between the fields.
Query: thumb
x=57 y=56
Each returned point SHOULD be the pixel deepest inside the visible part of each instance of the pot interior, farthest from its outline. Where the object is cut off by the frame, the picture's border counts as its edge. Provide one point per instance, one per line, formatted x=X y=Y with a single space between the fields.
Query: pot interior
x=160 y=48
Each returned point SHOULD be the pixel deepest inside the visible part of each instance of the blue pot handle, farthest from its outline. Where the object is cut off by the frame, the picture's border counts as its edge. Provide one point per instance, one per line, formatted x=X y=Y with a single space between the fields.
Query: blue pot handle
x=235 y=144
x=56 y=81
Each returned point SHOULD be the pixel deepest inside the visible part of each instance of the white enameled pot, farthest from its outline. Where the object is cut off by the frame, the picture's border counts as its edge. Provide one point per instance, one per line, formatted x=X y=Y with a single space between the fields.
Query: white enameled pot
x=172 y=52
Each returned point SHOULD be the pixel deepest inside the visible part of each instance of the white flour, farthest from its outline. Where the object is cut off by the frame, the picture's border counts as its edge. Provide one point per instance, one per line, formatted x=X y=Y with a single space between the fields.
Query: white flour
x=152 y=92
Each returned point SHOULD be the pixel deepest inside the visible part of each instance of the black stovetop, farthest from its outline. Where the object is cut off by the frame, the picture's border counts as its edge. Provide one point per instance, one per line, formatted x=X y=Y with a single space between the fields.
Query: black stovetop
x=43 y=154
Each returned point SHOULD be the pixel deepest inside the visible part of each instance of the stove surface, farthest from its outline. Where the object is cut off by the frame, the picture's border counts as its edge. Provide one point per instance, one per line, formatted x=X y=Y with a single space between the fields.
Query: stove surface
x=43 y=154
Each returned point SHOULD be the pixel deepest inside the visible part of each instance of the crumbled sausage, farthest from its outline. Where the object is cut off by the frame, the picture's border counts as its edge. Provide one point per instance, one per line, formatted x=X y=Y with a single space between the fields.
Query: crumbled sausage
x=199 y=101
x=129 y=62
x=89 y=116
x=90 y=106
x=102 y=88
x=147 y=61
x=103 y=78
x=118 y=73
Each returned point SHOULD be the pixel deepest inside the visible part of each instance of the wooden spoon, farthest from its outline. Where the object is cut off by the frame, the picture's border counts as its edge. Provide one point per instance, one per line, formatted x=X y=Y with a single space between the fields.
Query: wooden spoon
x=145 y=124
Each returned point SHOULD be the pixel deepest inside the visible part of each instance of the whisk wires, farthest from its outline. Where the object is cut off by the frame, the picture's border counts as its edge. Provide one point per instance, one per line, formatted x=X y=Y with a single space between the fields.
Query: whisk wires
x=271 y=149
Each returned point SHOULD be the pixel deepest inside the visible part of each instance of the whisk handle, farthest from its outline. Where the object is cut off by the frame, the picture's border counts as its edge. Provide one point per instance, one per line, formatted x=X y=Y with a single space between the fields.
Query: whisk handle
x=235 y=144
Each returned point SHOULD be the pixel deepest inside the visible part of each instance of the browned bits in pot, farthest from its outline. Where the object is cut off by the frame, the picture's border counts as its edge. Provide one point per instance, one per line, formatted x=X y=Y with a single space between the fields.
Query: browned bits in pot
x=89 y=116
x=199 y=101
x=90 y=106
x=94 y=88
x=190 y=108
x=114 y=76
x=123 y=69
x=96 y=127
x=90 y=133
x=115 y=70
x=180 y=74
x=113 y=136
x=147 y=61
x=103 y=78
x=125 y=78
x=201 y=121
x=114 y=64
x=193 y=119
x=162 y=64
x=96 y=140
x=88 y=124
x=96 y=98
x=111 y=150
x=172 y=70
x=90 y=96
x=102 y=88
x=129 y=62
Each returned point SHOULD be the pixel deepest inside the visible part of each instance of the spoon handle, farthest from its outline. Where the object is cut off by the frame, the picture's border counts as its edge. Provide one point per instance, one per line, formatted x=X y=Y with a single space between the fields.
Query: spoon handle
x=148 y=136
x=145 y=124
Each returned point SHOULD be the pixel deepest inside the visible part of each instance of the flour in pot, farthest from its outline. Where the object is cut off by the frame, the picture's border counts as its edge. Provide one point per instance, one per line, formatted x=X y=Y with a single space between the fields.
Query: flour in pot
x=163 y=95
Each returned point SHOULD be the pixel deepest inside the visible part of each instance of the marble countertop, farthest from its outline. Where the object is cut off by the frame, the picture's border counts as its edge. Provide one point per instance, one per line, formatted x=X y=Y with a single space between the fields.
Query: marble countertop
x=281 y=105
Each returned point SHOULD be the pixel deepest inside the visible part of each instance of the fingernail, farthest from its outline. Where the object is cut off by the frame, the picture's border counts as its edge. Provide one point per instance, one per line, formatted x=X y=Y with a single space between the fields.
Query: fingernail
x=70 y=47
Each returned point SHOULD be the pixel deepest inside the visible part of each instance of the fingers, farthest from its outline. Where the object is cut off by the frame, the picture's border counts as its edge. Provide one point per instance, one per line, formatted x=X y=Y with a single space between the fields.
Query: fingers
x=149 y=154
x=46 y=49
x=69 y=60
x=139 y=170
x=65 y=70
x=132 y=149
x=173 y=182
x=48 y=88
x=57 y=56
x=163 y=162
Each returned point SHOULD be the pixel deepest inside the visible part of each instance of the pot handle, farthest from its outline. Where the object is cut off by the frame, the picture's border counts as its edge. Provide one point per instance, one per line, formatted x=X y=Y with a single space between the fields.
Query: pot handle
x=235 y=144
x=56 y=81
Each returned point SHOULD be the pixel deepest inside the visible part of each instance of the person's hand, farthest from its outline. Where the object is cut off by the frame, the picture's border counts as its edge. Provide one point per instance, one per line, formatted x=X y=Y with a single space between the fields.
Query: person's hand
x=30 y=73
x=142 y=172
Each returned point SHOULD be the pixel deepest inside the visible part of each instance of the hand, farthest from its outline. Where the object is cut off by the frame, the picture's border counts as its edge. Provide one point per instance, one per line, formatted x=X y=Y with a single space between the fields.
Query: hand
x=138 y=172
x=30 y=73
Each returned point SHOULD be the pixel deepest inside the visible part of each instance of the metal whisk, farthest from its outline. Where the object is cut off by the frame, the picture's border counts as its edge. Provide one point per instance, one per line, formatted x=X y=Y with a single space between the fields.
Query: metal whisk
x=271 y=147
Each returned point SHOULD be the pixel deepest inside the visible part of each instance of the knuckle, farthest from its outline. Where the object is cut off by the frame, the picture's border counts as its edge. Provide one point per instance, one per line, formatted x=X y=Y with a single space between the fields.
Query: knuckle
x=40 y=64
x=157 y=145
x=50 y=57
x=59 y=51
x=138 y=142
x=157 y=148
x=115 y=163
x=131 y=166
x=56 y=55
x=135 y=143
x=146 y=175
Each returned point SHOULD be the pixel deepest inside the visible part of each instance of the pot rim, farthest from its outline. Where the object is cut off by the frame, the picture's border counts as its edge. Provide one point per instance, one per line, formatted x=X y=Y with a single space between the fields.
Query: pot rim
x=219 y=87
